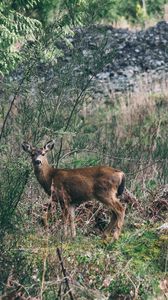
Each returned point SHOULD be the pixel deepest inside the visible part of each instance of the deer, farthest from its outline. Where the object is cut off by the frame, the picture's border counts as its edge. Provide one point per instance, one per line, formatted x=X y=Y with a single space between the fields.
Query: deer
x=72 y=187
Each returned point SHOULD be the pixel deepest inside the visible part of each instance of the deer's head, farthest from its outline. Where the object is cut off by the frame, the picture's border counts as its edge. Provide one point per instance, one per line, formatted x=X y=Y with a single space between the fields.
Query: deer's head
x=38 y=155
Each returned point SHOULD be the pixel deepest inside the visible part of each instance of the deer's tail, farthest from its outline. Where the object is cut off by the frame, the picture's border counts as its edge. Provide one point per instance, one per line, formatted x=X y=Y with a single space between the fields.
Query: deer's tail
x=121 y=186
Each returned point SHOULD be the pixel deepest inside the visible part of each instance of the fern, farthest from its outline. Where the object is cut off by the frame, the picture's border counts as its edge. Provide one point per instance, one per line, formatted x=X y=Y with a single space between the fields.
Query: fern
x=15 y=30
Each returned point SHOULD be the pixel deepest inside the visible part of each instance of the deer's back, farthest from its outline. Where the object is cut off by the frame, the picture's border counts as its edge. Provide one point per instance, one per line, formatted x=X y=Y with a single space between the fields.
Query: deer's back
x=86 y=183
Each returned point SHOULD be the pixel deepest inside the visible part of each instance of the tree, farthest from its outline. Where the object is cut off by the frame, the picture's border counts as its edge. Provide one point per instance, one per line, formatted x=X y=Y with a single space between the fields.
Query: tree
x=16 y=27
x=155 y=7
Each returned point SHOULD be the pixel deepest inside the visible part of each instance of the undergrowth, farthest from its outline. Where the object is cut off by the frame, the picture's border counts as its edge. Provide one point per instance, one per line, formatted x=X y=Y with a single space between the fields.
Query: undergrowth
x=133 y=264
x=128 y=132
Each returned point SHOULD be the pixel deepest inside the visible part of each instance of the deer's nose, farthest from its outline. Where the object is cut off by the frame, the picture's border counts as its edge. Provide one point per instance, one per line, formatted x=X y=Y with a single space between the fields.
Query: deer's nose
x=37 y=162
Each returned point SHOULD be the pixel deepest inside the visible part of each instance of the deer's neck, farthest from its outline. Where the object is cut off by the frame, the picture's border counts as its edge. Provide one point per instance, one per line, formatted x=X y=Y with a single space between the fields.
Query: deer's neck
x=44 y=176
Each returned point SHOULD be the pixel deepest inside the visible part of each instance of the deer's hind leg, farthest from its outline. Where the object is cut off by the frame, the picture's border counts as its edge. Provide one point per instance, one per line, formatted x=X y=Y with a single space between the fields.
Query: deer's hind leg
x=117 y=216
x=119 y=211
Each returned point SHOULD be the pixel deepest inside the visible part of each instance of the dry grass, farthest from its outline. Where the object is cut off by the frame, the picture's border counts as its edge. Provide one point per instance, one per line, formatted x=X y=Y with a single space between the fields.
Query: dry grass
x=136 y=105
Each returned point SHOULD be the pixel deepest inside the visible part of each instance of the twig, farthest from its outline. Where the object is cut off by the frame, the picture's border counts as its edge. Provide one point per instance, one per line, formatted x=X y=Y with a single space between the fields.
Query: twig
x=13 y=102
x=44 y=260
x=136 y=288
x=44 y=272
x=93 y=215
x=64 y=273
x=111 y=156
x=71 y=114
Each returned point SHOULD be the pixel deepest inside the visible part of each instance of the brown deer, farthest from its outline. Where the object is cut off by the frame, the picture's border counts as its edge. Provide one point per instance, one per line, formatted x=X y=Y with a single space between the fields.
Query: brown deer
x=75 y=186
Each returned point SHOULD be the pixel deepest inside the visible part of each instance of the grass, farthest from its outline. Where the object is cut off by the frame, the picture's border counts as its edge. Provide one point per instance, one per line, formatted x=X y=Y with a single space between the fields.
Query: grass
x=133 y=264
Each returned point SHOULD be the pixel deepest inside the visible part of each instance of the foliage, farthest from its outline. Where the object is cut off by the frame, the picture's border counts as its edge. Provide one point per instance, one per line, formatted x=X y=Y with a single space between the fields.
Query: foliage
x=128 y=9
x=132 y=262
x=15 y=30
x=14 y=176
x=155 y=7
x=134 y=11
x=86 y=12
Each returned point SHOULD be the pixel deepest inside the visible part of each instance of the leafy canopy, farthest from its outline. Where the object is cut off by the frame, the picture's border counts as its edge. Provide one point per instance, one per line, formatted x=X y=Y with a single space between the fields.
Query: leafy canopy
x=16 y=27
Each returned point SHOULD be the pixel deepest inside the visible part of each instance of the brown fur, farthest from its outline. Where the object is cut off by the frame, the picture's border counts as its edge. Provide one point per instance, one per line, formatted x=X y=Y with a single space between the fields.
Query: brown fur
x=75 y=186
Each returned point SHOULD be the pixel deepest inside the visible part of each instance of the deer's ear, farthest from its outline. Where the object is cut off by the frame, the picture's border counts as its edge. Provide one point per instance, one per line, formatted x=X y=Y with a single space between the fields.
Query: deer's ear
x=27 y=147
x=49 y=146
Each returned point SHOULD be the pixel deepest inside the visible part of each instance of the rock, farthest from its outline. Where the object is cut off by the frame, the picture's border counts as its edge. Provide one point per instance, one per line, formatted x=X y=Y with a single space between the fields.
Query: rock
x=126 y=53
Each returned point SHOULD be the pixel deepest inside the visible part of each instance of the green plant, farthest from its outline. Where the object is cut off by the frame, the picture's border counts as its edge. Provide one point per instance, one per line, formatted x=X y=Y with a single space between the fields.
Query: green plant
x=14 y=176
x=16 y=28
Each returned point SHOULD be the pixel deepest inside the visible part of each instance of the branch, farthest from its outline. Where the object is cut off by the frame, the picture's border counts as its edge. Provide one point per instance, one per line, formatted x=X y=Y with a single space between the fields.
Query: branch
x=64 y=273
x=70 y=116
x=12 y=103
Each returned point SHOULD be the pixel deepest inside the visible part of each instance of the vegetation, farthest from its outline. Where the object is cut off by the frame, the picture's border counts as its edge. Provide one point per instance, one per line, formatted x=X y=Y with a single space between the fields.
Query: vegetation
x=132 y=265
x=23 y=21
x=47 y=95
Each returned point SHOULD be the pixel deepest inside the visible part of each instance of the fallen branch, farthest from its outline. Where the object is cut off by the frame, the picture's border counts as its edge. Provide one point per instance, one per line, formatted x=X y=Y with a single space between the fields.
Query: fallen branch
x=64 y=273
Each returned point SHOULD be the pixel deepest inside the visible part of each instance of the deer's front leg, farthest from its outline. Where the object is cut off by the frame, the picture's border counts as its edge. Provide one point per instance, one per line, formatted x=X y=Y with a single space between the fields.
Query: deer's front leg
x=72 y=221
x=68 y=213
x=65 y=218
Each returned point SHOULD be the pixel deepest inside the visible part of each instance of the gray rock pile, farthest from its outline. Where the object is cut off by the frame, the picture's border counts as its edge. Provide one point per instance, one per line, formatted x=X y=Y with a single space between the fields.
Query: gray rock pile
x=125 y=53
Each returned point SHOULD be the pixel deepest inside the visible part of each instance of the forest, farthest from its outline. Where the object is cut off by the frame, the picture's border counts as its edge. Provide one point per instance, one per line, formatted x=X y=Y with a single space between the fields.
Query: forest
x=92 y=76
